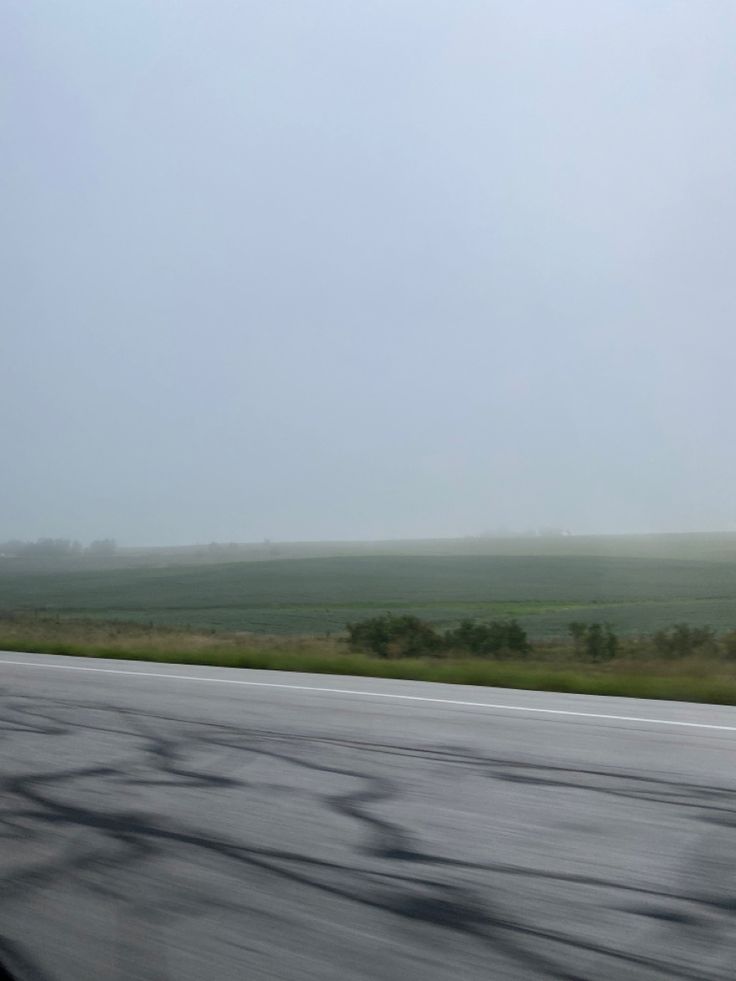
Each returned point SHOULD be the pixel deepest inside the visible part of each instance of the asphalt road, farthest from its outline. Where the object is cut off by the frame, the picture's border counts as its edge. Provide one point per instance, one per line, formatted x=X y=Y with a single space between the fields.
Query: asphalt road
x=168 y=822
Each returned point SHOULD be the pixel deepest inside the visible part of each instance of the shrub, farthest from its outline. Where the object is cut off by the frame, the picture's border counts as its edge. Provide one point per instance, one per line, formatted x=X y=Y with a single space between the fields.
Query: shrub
x=408 y=636
x=728 y=641
x=487 y=639
x=394 y=636
x=683 y=640
x=594 y=641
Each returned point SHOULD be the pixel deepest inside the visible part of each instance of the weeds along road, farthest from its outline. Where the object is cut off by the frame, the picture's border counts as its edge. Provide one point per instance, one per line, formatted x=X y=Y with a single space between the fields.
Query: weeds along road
x=170 y=822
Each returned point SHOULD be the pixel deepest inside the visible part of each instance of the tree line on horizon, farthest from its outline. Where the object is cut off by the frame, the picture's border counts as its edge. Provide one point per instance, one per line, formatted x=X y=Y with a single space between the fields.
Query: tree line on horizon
x=56 y=548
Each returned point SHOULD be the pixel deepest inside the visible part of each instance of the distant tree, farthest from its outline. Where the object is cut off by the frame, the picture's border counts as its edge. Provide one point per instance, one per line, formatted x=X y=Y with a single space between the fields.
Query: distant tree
x=682 y=640
x=728 y=641
x=12 y=548
x=50 y=547
x=102 y=547
x=394 y=636
x=594 y=641
x=408 y=636
x=578 y=630
x=488 y=639
x=41 y=548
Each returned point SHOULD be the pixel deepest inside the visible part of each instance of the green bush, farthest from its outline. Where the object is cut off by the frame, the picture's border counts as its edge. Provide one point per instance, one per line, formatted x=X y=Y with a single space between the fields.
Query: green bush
x=394 y=636
x=594 y=641
x=728 y=644
x=408 y=636
x=682 y=640
x=488 y=639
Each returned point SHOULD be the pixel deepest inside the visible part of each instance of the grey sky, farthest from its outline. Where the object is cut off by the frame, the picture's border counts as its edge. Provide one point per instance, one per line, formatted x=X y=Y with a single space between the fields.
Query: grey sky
x=331 y=269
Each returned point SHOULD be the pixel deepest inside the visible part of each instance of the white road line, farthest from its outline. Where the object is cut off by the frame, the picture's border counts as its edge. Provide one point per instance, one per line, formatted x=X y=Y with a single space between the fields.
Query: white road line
x=370 y=694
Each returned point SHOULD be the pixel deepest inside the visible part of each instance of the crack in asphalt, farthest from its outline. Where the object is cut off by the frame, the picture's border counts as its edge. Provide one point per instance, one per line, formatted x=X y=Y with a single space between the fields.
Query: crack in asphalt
x=404 y=880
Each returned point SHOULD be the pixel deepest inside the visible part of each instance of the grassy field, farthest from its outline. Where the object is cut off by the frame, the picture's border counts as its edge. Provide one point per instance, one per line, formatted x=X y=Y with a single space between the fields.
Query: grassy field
x=549 y=668
x=706 y=547
x=638 y=584
x=288 y=610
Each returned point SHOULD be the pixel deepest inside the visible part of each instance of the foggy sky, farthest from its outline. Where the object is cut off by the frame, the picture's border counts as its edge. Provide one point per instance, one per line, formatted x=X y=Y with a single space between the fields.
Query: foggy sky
x=308 y=269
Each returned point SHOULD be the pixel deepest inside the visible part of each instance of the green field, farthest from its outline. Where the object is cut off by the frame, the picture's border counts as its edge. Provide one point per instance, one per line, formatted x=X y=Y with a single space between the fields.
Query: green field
x=638 y=584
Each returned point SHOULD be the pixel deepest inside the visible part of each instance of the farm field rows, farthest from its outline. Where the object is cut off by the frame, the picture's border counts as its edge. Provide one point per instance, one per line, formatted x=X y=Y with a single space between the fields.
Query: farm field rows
x=319 y=596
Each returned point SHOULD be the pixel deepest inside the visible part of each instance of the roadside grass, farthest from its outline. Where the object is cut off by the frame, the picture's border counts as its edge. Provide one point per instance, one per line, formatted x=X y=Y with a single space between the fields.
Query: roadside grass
x=552 y=667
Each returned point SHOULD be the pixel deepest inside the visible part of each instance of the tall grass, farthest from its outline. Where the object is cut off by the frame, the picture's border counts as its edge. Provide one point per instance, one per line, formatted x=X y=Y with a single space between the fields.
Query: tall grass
x=696 y=679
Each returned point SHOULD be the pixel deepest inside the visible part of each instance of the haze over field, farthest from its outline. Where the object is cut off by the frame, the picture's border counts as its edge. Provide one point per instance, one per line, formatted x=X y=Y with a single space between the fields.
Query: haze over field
x=366 y=270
